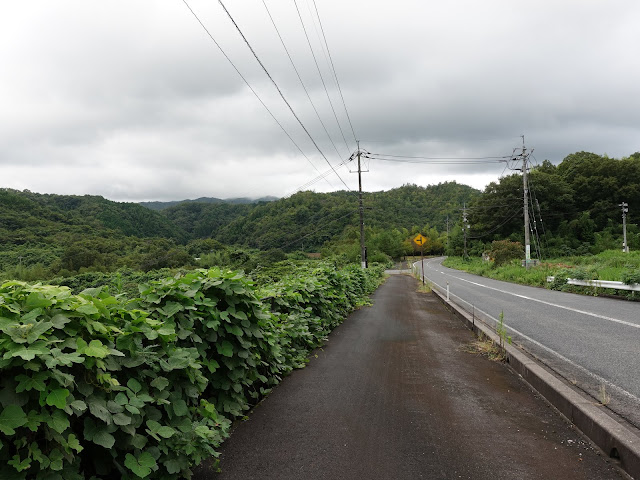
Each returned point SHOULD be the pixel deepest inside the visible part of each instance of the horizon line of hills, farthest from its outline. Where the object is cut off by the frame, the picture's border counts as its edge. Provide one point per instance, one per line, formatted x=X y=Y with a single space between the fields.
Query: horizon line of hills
x=576 y=205
x=267 y=222
x=160 y=205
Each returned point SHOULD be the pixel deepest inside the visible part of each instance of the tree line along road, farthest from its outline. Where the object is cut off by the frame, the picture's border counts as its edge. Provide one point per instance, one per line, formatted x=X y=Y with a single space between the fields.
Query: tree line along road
x=590 y=341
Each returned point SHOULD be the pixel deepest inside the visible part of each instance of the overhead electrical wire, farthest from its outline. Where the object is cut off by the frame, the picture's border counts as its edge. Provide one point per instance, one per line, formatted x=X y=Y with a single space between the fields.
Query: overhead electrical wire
x=318 y=178
x=249 y=85
x=335 y=74
x=501 y=158
x=516 y=212
x=280 y=91
x=435 y=160
x=300 y=239
x=320 y=73
x=299 y=77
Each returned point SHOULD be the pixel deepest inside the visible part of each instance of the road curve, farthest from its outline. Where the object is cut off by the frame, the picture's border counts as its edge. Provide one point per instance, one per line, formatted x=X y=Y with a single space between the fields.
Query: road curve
x=591 y=341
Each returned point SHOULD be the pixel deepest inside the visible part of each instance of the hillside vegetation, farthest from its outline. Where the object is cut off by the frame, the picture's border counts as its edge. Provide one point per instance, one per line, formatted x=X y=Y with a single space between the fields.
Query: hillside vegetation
x=574 y=210
x=574 y=206
x=47 y=236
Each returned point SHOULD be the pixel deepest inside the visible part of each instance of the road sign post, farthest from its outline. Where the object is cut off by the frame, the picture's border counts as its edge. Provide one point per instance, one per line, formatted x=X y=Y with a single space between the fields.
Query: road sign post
x=420 y=240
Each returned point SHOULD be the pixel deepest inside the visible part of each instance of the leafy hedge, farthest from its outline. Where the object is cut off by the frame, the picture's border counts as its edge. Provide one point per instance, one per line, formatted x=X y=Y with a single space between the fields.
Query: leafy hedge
x=95 y=386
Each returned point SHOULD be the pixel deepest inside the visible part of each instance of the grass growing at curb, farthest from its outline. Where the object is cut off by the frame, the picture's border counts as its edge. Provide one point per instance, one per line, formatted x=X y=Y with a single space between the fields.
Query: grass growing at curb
x=486 y=347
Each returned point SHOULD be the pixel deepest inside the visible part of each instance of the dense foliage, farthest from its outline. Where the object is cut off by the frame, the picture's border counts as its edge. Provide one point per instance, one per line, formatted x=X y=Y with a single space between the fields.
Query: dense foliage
x=574 y=206
x=97 y=386
x=49 y=236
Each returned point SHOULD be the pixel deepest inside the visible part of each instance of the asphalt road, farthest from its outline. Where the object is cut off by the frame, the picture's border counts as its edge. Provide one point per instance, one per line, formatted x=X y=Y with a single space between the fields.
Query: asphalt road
x=396 y=395
x=591 y=341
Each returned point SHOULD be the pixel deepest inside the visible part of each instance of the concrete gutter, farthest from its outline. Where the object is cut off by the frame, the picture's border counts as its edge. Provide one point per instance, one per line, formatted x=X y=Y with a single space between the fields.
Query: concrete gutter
x=615 y=439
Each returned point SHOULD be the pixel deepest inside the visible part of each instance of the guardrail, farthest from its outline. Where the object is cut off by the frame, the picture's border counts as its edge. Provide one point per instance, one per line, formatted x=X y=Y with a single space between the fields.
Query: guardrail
x=635 y=287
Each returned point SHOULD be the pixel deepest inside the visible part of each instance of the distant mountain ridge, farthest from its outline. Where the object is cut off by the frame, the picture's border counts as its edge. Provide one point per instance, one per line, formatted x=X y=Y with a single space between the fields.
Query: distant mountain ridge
x=156 y=205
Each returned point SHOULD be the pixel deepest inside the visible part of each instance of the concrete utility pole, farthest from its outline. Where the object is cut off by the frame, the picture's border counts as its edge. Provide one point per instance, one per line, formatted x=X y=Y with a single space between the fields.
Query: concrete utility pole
x=464 y=227
x=363 y=250
x=447 y=231
x=527 y=239
x=625 y=209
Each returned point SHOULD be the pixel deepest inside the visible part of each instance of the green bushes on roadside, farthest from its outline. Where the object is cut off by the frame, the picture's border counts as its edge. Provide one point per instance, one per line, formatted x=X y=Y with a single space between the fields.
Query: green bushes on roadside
x=95 y=386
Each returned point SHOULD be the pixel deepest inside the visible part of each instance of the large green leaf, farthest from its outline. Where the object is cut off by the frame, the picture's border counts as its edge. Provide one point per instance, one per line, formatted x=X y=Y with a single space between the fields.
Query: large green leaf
x=96 y=349
x=225 y=348
x=11 y=418
x=29 y=353
x=58 y=398
x=160 y=383
x=58 y=421
x=98 y=408
x=36 y=299
x=171 y=308
x=104 y=438
x=180 y=407
x=134 y=385
x=35 y=382
x=142 y=465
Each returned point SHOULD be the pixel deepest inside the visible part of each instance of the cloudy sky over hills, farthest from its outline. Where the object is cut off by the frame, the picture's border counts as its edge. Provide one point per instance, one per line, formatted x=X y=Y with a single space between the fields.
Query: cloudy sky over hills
x=134 y=101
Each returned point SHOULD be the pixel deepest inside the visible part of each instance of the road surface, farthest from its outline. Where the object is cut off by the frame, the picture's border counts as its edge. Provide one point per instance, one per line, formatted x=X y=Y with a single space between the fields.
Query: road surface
x=591 y=341
x=395 y=395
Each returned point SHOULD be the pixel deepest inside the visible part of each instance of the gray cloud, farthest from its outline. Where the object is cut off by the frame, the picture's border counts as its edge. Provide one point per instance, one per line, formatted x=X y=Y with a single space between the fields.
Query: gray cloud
x=134 y=102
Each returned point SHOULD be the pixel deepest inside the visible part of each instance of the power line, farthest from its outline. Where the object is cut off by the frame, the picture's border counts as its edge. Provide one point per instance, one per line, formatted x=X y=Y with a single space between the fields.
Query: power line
x=249 y=85
x=514 y=214
x=501 y=157
x=436 y=161
x=300 y=78
x=334 y=71
x=299 y=239
x=280 y=91
x=319 y=177
x=320 y=73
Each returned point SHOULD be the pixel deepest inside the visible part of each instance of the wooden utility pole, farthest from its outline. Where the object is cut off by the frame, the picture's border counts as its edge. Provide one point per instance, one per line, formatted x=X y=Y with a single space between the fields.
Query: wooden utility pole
x=363 y=251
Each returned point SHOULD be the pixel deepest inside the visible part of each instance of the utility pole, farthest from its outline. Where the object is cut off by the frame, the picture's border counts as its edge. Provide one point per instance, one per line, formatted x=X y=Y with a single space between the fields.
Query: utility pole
x=625 y=209
x=447 y=231
x=525 y=185
x=363 y=251
x=464 y=227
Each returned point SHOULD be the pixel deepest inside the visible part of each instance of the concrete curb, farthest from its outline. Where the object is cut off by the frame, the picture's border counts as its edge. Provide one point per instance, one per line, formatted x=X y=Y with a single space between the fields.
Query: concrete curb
x=616 y=440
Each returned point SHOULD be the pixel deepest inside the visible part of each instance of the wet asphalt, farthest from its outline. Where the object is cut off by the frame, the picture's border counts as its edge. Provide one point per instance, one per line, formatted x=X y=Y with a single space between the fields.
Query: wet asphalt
x=395 y=394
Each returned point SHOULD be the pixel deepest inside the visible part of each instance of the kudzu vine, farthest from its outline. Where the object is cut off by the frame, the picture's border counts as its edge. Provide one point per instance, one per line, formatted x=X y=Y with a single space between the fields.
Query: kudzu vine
x=96 y=386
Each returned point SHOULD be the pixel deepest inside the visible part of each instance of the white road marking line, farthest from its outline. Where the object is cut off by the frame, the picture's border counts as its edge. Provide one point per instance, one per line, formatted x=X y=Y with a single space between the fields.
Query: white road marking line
x=553 y=352
x=584 y=312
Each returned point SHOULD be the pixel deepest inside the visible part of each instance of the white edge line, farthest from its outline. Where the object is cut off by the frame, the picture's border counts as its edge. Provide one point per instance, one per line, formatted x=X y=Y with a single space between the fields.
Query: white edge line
x=559 y=355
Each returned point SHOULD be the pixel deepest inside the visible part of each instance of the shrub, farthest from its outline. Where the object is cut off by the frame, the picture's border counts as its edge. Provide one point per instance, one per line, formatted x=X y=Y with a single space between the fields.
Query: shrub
x=630 y=276
x=502 y=251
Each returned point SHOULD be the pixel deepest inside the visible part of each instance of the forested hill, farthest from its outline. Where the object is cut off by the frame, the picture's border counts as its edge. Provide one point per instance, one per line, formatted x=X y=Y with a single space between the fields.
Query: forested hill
x=45 y=235
x=313 y=218
x=27 y=217
x=238 y=200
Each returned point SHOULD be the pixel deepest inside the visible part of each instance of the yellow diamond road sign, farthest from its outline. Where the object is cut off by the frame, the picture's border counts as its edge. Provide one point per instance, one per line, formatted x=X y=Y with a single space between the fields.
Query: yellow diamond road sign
x=419 y=239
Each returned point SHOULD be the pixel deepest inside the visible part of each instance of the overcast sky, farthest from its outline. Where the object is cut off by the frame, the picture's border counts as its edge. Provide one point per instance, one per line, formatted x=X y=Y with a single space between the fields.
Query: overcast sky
x=132 y=100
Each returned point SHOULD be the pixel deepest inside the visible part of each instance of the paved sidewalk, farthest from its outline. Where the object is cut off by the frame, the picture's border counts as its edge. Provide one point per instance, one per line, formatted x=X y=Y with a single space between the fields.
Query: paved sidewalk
x=394 y=395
